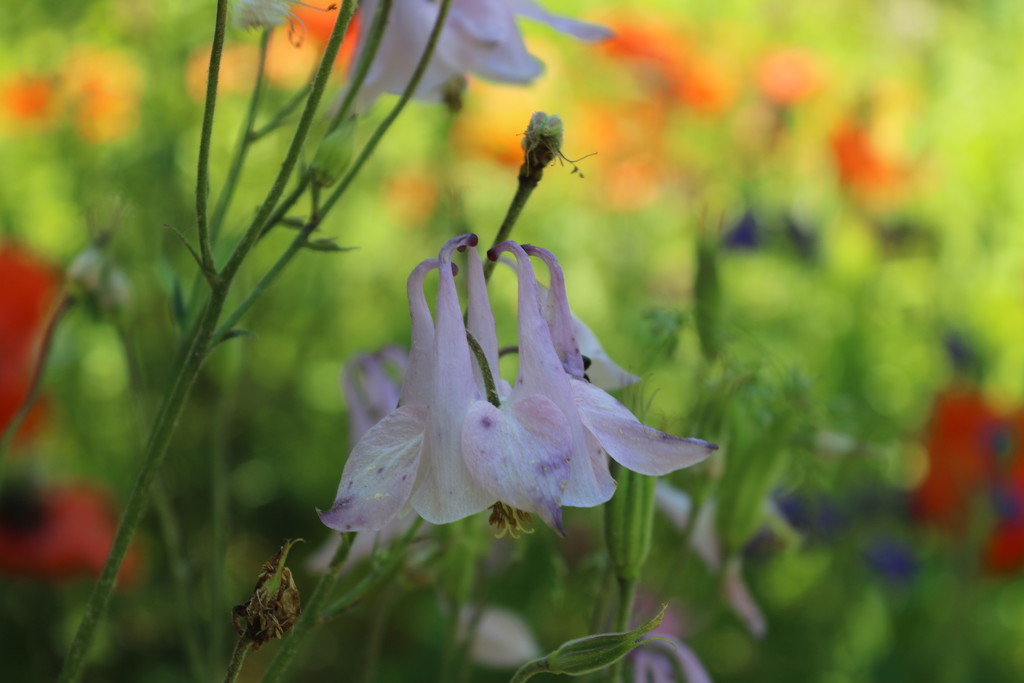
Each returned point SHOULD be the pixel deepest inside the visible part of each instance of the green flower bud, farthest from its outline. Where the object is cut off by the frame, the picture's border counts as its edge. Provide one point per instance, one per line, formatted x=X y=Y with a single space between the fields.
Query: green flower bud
x=593 y=653
x=334 y=155
x=542 y=141
x=629 y=518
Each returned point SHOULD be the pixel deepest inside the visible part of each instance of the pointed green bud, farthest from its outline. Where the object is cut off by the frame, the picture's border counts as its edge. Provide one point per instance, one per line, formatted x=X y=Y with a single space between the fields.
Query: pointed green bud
x=334 y=155
x=593 y=653
x=629 y=518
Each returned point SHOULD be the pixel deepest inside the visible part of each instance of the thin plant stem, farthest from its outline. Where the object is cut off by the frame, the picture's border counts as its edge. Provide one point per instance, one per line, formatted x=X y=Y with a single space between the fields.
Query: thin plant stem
x=381 y=614
x=375 y=577
x=366 y=55
x=529 y=177
x=245 y=139
x=237 y=658
x=184 y=378
x=310 y=612
x=203 y=170
x=353 y=171
x=219 y=514
x=278 y=119
x=36 y=383
x=286 y=204
x=171 y=535
x=248 y=240
x=627 y=594
x=406 y=95
x=529 y=670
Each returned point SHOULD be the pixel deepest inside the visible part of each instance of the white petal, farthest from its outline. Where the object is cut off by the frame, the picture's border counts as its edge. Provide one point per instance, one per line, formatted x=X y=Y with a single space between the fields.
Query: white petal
x=380 y=473
x=674 y=504
x=521 y=453
x=603 y=371
x=631 y=443
x=742 y=602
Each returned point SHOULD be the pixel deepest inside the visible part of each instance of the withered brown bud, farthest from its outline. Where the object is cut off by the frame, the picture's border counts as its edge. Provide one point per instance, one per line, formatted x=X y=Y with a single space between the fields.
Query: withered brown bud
x=274 y=605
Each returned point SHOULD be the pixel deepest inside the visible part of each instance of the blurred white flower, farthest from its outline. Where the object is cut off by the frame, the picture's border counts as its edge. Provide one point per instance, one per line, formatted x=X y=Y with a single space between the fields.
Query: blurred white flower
x=501 y=640
x=480 y=37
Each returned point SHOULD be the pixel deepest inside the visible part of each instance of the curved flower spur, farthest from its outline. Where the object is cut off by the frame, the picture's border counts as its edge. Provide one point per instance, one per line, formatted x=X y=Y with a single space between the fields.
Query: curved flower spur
x=463 y=440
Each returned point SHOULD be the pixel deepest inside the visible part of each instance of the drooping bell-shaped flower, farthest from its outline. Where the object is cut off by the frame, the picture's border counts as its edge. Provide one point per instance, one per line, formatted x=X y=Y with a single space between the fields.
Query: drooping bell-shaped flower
x=480 y=37
x=462 y=439
x=610 y=424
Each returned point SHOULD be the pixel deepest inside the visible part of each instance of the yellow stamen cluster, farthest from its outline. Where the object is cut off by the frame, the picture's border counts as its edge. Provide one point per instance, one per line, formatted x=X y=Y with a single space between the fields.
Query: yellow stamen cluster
x=507 y=519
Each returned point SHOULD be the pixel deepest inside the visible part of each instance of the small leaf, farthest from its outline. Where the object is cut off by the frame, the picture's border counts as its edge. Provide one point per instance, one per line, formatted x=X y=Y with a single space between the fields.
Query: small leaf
x=326 y=244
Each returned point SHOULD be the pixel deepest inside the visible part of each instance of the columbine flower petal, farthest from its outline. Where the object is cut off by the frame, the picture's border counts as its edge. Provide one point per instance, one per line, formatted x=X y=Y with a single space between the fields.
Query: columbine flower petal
x=521 y=453
x=541 y=372
x=742 y=602
x=603 y=372
x=418 y=376
x=380 y=473
x=445 y=490
x=630 y=443
x=582 y=30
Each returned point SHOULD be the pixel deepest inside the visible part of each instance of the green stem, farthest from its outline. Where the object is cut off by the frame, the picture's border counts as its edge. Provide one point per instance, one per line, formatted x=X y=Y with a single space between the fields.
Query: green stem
x=203 y=171
x=237 y=658
x=189 y=366
x=171 y=535
x=245 y=139
x=407 y=94
x=279 y=118
x=248 y=240
x=264 y=284
x=529 y=670
x=366 y=55
x=310 y=612
x=382 y=572
x=36 y=383
x=219 y=520
x=627 y=595
x=286 y=204
x=485 y=370
x=528 y=179
x=156 y=448
x=353 y=171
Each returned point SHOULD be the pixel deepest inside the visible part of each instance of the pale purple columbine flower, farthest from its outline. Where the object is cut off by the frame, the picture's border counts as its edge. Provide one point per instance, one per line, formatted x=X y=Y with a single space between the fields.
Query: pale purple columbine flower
x=449 y=450
x=480 y=37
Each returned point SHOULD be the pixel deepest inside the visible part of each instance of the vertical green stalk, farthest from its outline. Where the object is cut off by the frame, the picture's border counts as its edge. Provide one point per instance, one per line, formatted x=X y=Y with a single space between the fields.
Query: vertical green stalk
x=203 y=170
x=310 y=612
x=366 y=55
x=529 y=177
x=629 y=521
x=245 y=139
x=237 y=658
x=171 y=535
x=190 y=364
x=45 y=346
x=407 y=94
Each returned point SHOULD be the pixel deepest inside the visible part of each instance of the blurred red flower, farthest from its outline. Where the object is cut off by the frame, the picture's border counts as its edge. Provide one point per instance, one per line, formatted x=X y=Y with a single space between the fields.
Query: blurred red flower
x=974 y=455
x=29 y=291
x=58 y=533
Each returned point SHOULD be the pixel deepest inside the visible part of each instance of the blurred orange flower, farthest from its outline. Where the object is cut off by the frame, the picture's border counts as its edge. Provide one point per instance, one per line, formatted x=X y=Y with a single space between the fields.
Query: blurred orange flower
x=863 y=168
x=29 y=292
x=788 y=76
x=58 y=533
x=29 y=100
x=105 y=87
x=672 y=65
